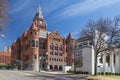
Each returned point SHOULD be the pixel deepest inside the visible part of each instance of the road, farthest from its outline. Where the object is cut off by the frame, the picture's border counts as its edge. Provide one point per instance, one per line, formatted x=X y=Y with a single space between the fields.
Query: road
x=32 y=75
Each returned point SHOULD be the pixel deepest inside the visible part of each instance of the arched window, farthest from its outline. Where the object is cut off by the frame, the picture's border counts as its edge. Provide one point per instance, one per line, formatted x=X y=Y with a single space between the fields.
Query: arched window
x=36 y=43
x=31 y=33
x=35 y=33
x=60 y=68
x=51 y=46
x=60 y=54
x=55 y=67
x=56 y=47
x=51 y=67
x=51 y=53
x=42 y=45
x=60 y=48
x=34 y=56
x=33 y=43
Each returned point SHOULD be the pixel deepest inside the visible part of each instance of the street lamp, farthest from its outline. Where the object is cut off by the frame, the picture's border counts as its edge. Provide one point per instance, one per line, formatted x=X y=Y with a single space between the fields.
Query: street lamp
x=19 y=61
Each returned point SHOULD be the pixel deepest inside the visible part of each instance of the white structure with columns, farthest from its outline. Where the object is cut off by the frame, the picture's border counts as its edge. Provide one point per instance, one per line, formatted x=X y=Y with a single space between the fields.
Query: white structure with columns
x=113 y=62
x=84 y=51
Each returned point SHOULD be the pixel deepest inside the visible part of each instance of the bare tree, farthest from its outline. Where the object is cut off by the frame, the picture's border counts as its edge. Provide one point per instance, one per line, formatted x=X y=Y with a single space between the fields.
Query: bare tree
x=3 y=13
x=104 y=34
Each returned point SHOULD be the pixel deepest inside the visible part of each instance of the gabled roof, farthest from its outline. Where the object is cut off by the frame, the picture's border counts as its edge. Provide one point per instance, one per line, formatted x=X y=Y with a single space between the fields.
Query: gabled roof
x=55 y=32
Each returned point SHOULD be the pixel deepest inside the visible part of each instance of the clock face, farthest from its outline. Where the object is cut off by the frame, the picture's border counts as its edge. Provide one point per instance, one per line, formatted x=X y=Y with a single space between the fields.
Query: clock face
x=40 y=22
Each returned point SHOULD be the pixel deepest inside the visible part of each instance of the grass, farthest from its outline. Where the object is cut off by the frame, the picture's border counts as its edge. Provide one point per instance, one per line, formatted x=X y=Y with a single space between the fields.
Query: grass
x=99 y=77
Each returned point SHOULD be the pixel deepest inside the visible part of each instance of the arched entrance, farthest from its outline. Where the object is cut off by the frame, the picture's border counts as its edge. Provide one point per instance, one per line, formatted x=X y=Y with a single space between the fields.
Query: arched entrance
x=51 y=67
x=60 y=68
x=55 y=67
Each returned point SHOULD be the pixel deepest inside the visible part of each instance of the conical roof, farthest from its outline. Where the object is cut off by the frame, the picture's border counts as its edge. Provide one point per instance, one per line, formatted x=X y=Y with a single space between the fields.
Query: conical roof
x=34 y=27
x=24 y=34
x=70 y=36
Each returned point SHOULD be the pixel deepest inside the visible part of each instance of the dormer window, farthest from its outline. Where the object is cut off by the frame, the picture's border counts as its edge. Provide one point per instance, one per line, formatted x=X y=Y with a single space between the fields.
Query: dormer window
x=35 y=33
x=31 y=33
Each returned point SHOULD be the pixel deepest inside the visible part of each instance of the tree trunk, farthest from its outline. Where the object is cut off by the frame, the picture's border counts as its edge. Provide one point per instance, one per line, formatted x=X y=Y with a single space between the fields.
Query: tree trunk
x=95 y=67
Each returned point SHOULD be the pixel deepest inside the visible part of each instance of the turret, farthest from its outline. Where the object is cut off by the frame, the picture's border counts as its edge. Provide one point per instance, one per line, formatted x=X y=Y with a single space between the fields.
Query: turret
x=70 y=42
x=33 y=40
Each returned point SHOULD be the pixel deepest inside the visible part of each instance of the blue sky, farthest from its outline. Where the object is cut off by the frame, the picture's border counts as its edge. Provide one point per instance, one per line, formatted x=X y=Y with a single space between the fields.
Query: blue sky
x=62 y=15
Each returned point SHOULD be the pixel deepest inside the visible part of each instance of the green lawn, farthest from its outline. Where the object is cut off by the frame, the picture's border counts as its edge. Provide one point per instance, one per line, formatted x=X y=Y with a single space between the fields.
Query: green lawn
x=100 y=77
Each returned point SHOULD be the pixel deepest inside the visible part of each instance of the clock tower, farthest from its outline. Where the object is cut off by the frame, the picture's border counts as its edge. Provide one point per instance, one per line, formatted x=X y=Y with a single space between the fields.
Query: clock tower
x=39 y=20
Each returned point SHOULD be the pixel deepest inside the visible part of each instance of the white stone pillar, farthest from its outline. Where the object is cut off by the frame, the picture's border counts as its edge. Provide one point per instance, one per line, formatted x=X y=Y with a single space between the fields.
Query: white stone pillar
x=117 y=62
x=112 y=62
x=104 y=62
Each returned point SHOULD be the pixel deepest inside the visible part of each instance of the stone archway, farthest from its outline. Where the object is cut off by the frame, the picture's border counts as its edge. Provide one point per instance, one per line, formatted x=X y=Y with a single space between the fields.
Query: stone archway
x=60 y=68
x=51 y=67
x=55 y=67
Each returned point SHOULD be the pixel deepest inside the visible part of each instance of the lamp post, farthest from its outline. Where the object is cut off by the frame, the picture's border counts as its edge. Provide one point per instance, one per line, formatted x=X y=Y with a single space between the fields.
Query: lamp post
x=18 y=61
x=39 y=63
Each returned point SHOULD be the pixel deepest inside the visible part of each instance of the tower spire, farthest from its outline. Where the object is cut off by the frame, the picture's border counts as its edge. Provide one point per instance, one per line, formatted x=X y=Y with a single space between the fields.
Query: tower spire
x=39 y=10
x=39 y=13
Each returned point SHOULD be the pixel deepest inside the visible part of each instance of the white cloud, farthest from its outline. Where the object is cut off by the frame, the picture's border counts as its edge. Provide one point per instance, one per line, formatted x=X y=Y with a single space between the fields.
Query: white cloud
x=84 y=7
x=20 y=5
x=52 y=6
x=2 y=35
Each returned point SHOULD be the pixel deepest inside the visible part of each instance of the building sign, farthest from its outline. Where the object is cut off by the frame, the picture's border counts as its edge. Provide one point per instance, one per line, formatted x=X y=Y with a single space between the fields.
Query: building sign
x=43 y=34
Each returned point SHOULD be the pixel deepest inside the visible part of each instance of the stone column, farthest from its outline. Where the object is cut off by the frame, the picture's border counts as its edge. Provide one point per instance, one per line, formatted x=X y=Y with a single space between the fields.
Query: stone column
x=104 y=62
x=112 y=62
x=117 y=62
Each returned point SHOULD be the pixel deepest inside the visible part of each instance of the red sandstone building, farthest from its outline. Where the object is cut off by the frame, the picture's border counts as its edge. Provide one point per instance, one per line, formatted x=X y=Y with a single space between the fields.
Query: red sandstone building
x=38 y=48
x=5 y=57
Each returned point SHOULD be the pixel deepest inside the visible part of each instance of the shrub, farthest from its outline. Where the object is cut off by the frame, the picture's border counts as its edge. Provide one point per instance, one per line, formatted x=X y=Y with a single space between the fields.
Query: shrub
x=116 y=74
x=113 y=73
x=119 y=74
x=109 y=73
x=106 y=73
x=85 y=72
x=102 y=73
x=70 y=71
x=99 y=73
x=82 y=72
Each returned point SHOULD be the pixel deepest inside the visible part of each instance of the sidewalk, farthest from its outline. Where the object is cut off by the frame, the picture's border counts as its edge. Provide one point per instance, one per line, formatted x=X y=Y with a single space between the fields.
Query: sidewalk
x=53 y=72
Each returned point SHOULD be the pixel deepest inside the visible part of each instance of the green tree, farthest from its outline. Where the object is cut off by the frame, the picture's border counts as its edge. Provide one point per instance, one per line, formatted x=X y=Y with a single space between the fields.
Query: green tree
x=78 y=63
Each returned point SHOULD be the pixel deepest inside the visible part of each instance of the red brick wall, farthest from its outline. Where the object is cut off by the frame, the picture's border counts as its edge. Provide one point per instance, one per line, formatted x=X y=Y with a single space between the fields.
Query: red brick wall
x=5 y=57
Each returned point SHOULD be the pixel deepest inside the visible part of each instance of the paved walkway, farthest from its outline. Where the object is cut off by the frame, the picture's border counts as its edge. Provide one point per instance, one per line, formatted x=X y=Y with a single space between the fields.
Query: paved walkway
x=32 y=75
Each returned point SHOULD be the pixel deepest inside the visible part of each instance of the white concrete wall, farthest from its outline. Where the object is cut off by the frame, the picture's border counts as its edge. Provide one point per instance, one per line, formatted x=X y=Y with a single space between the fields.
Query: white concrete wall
x=67 y=68
x=104 y=69
x=88 y=60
